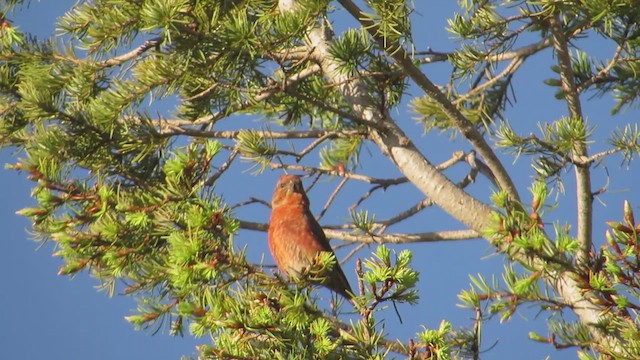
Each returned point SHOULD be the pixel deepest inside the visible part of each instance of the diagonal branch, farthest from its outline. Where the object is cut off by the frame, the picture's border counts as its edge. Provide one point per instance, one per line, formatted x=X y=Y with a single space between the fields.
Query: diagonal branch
x=466 y=128
x=508 y=71
x=332 y=197
x=117 y=60
x=212 y=179
x=393 y=142
x=421 y=205
x=602 y=74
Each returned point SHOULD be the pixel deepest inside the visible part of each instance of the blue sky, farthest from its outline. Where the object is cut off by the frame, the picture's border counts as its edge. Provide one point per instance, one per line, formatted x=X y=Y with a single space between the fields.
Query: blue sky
x=49 y=316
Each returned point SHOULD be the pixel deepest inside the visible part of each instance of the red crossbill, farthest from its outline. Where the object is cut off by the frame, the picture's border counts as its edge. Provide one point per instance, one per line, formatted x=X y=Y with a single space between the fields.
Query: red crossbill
x=296 y=238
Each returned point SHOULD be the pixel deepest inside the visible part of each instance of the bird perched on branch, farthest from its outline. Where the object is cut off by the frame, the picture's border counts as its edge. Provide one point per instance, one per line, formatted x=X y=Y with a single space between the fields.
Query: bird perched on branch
x=296 y=238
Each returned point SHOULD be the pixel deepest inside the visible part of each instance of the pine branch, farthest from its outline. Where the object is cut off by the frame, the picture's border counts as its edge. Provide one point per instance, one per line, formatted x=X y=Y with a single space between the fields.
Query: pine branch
x=390 y=238
x=178 y=127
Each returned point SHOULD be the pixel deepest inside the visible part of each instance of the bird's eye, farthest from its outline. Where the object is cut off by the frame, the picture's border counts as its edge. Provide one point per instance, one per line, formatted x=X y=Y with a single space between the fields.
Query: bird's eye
x=282 y=185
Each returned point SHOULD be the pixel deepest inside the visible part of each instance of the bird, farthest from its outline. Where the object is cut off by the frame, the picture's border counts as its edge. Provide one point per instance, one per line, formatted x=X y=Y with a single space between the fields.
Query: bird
x=295 y=237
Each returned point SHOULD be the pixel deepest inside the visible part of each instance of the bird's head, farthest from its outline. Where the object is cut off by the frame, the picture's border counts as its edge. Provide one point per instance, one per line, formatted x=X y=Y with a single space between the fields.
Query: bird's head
x=289 y=190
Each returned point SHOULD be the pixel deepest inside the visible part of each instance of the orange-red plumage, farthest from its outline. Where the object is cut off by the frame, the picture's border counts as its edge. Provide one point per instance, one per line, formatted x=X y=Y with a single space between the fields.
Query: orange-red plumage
x=296 y=238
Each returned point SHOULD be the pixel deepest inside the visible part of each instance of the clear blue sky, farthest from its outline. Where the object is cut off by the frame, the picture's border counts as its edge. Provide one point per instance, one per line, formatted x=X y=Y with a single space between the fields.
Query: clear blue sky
x=47 y=316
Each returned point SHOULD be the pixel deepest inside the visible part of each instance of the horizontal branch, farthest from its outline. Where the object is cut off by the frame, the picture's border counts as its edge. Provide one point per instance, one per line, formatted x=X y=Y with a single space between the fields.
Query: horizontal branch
x=456 y=157
x=431 y=56
x=177 y=129
x=364 y=178
x=394 y=238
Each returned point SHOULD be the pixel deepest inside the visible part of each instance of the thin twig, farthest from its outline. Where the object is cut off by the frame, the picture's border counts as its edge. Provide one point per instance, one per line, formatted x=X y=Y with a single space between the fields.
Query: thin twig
x=509 y=70
x=252 y=200
x=456 y=157
x=423 y=204
x=313 y=182
x=313 y=145
x=117 y=60
x=352 y=252
x=201 y=94
x=222 y=168
x=604 y=71
x=322 y=104
x=477 y=165
x=332 y=197
x=595 y=157
x=365 y=196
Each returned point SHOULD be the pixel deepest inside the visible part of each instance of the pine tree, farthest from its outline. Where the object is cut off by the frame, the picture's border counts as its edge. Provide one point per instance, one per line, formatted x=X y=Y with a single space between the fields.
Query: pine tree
x=129 y=125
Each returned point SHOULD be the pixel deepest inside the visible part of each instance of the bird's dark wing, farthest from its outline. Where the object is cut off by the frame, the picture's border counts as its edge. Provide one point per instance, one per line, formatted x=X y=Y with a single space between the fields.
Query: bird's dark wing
x=336 y=280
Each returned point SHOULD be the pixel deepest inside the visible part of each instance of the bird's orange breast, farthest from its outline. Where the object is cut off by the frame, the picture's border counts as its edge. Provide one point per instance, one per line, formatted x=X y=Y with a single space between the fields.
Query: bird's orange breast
x=291 y=239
